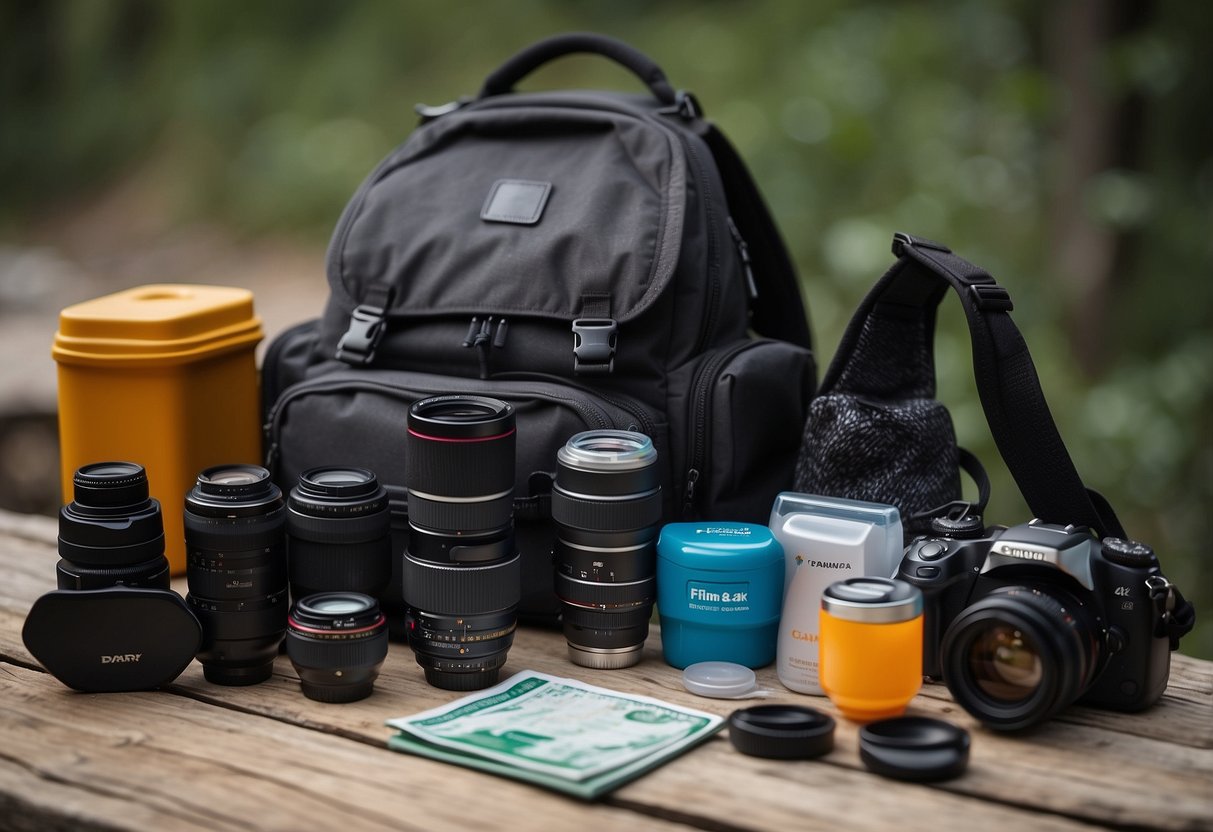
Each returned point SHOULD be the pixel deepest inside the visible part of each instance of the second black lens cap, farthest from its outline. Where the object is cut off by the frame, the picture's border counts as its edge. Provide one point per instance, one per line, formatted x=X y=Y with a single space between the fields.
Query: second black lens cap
x=915 y=748
x=782 y=732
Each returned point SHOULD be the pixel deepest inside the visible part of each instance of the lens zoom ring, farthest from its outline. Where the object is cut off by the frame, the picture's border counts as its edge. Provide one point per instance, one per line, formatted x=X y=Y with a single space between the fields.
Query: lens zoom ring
x=481 y=515
x=339 y=529
x=606 y=595
x=324 y=653
x=606 y=619
x=462 y=590
x=357 y=567
x=606 y=515
x=460 y=469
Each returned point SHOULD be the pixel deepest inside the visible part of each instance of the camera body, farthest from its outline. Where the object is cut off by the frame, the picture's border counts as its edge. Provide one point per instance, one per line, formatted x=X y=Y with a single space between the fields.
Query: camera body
x=1108 y=598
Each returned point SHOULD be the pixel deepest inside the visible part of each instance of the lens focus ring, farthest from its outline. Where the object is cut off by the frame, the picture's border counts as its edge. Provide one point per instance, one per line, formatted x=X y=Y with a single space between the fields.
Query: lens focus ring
x=597 y=514
x=463 y=590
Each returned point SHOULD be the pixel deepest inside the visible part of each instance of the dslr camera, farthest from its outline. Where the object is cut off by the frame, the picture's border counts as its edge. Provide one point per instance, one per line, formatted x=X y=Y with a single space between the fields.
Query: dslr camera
x=1021 y=622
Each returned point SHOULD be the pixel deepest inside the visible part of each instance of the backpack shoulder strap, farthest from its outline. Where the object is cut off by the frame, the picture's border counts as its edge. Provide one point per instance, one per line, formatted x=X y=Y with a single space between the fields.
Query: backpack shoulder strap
x=778 y=307
x=1007 y=383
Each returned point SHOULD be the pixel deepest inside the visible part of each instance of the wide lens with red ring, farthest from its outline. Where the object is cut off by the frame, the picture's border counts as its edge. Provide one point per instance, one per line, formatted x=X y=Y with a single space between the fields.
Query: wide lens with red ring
x=337 y=642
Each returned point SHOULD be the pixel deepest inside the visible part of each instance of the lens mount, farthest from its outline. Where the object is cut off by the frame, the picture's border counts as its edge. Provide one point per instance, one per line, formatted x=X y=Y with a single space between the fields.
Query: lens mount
x=1018 y=656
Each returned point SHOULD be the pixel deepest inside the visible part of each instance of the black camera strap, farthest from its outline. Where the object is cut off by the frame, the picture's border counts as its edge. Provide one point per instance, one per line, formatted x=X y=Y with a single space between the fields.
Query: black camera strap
x=909 y=293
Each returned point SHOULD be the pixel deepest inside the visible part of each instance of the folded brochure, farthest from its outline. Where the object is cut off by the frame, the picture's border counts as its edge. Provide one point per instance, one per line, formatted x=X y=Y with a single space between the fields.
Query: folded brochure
x=559 y=733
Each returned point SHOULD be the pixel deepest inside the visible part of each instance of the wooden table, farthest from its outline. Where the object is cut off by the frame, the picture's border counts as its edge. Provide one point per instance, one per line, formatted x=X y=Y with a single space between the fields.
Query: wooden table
x=201 y=756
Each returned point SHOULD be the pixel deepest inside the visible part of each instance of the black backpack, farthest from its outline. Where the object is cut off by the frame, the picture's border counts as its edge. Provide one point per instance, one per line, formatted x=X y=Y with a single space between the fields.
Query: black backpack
x=596 y=259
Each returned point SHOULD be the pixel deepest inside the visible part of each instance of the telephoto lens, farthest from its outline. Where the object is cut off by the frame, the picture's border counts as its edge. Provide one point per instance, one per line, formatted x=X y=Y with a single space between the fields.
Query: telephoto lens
x=606 y=504
x=337 y=642
x=462 y=581
x=338 y=533
x=112 y=532
x=236 y=565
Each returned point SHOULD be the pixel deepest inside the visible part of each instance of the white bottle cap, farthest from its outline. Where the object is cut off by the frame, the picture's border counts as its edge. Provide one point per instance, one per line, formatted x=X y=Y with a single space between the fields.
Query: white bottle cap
x=720 y=680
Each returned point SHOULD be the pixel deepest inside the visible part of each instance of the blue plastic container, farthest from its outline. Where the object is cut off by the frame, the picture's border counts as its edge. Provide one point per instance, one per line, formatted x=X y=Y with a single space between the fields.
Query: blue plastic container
x=719 y=593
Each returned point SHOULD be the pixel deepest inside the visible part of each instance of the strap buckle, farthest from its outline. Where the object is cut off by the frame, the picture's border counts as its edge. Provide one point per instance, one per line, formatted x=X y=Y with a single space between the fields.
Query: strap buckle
x=990 y=297
x=594 y=341
x=685 y=105
x=367 y=327
x=1162 y=594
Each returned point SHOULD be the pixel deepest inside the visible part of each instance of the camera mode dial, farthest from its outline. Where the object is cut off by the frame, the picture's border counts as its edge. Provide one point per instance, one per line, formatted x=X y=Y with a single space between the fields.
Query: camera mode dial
x=969 y=527
x=1129 y=553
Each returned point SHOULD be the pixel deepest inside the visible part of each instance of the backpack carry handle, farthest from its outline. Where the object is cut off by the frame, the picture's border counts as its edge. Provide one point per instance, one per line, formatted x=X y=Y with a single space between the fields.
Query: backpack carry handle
x=502 y=80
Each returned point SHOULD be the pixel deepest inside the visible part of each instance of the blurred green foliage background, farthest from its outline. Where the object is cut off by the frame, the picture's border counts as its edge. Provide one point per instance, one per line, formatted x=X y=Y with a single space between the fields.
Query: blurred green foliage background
x=1064 y=146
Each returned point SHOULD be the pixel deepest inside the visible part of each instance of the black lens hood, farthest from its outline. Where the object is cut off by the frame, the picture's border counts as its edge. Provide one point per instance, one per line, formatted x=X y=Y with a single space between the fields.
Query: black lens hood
x=118 y=639
x=914 y=748
x=781 y=732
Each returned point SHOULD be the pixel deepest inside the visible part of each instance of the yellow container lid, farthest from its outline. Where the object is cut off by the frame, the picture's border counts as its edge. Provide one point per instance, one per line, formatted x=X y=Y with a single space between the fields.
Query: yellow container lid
x=163 y=323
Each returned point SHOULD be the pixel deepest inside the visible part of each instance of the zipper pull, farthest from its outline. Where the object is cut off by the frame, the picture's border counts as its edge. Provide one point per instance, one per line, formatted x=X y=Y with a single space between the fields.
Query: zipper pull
x=688 y=502
x=502 y=331
x=473 y=328
x=743 y=251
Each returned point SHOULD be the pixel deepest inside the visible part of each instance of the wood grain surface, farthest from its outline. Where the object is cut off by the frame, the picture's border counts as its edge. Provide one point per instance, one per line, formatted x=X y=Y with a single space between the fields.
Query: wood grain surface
x=198 y=755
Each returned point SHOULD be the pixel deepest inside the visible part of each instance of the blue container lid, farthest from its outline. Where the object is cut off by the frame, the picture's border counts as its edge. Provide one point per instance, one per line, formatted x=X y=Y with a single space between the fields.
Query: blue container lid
x=723 y=546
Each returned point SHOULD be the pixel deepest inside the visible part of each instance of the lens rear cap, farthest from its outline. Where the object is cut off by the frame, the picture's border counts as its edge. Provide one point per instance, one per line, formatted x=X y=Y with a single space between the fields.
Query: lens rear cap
x=781 y=732
x=914 y=748
x=720 y=680
x=118 y=639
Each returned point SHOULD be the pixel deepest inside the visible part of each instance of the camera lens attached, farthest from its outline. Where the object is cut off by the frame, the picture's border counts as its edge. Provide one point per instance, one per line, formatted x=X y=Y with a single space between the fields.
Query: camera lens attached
x=337 y=642
x=1019 y=656
x=462 y=581
x=338 y=528
x=606 y=503
x=236 y=568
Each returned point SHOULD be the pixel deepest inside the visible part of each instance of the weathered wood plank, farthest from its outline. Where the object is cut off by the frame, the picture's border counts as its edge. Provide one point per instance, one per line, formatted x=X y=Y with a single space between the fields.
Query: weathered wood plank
x=1150 y=770
x=154 y=760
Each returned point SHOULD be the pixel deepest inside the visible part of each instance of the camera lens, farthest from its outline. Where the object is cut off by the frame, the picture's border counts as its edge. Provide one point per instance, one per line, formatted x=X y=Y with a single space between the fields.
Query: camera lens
x=337 y=642
x=236 y=568
x=112 y=532
x=1019 y=655
x=606 y=503
x=338 y=527
x=461 y=570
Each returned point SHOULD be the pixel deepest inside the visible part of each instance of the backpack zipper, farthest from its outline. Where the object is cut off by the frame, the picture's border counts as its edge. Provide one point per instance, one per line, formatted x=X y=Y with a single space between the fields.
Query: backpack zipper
x=593 y=416
x=625 y=403
x=705 y=381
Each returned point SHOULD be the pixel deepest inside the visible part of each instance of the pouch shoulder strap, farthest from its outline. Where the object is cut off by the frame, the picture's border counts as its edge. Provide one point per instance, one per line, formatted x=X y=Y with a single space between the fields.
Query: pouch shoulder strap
x=905 y=301
x=779 y=307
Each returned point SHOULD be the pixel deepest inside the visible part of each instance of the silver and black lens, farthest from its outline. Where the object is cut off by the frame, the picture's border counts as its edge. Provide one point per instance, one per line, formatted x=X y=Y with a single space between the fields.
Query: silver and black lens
x=338 y=527
x=606 y=503
x=337 y=642
x=111 y=533
x=461 y=572
x=236 y=568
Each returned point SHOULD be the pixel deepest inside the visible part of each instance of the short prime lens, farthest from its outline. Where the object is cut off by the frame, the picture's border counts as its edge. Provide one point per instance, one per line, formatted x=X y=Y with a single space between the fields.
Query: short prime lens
x=112 y=532
x=1019 y=655
x=236 y=567
x=606 y=503
x=462 y=581
x=337 y=642
x=338 y=533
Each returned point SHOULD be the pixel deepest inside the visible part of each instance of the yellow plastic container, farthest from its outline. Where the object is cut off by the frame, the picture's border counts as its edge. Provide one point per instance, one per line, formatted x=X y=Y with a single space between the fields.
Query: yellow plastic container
x=870 y=651
x=162 y=375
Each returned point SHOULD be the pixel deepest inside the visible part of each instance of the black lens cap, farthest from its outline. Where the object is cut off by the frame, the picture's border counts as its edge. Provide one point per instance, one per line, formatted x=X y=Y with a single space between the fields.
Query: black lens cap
x=781 y=732
x=915 y=748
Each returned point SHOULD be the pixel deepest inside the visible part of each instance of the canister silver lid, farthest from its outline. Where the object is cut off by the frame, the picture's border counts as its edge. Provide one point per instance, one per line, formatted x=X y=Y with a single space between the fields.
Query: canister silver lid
x=872 y=600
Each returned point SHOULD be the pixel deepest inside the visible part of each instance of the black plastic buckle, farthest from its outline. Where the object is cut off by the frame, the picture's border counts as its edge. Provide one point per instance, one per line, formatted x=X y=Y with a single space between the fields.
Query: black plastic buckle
x=685 y=105
x=367 y=326
x=990 y=297
x=594 y=342
x=901 y=239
